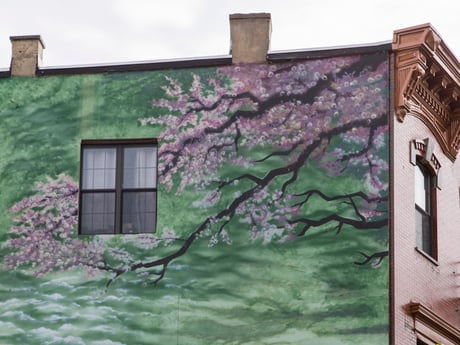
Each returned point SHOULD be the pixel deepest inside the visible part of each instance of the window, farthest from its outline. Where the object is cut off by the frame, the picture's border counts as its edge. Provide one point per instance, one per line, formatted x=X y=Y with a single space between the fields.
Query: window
x=118 y=180
x=424 y=209
x=427 y=171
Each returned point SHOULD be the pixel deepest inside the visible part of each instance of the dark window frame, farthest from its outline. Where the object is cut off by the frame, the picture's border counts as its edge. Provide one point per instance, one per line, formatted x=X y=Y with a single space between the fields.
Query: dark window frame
x=119 y=190
x=426 y=237
x=422 y=155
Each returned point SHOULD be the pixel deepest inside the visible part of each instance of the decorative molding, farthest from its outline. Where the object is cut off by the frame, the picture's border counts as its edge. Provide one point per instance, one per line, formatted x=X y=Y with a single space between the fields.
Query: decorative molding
x=427 y=84
x=424 y=148
x=427 y=317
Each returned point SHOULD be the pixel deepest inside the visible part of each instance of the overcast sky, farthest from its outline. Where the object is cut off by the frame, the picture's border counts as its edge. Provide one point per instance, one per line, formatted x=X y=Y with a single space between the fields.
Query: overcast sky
x=109 y=31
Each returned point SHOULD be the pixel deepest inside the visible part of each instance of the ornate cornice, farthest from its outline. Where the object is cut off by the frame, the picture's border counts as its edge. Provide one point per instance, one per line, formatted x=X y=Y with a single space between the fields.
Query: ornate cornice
x=426 y=316
x=427 y=84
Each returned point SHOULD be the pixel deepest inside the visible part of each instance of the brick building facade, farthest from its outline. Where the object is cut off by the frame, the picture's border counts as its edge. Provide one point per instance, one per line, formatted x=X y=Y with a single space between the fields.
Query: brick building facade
x=425 y=286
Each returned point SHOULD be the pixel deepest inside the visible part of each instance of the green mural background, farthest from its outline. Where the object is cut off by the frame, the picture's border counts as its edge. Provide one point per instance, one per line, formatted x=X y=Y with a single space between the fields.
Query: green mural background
x=295 y=288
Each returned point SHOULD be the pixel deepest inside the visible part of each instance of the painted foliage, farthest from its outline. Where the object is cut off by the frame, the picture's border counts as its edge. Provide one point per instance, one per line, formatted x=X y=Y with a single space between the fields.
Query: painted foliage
x=272 y=205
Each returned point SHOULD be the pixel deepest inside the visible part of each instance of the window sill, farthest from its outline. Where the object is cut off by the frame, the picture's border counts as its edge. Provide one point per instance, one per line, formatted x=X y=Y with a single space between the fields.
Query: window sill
x=427 y=256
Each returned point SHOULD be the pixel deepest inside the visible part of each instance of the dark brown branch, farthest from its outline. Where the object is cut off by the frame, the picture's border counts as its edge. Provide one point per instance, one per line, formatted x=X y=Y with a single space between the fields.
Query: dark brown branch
x=280 y=153
x=347 y=199
x=357 y=224
x=359 y=194
x=378 y=256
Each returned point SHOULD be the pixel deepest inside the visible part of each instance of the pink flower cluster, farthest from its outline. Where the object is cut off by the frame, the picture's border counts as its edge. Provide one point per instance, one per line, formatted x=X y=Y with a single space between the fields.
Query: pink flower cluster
x=43 y=237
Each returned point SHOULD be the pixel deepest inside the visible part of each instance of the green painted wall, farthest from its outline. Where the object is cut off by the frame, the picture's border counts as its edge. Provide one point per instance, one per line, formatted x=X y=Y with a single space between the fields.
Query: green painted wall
x=272 y=207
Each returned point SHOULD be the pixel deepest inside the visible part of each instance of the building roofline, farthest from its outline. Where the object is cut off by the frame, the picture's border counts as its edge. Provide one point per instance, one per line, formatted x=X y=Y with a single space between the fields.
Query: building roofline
x=211 y=61
x=137 y=66
x=320 y=52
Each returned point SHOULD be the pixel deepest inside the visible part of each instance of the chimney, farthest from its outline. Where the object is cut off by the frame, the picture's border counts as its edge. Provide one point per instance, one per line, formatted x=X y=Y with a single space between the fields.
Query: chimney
x=27 y=53
x=250 y=37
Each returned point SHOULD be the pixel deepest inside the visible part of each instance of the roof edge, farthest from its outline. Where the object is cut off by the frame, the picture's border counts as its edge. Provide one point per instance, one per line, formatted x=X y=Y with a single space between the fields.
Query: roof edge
x=211 y=61
x=320 y=52
x=136 y=66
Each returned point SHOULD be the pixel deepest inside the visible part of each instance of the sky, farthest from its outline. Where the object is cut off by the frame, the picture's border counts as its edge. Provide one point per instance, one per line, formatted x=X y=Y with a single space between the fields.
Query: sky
x=81 y=32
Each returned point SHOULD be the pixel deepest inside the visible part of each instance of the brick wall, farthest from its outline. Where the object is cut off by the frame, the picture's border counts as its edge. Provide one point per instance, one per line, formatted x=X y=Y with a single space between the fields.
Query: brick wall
x=415 y=277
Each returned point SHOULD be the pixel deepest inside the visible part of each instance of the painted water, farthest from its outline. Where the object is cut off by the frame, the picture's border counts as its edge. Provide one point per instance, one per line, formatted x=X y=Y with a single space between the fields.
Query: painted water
x=239 y=295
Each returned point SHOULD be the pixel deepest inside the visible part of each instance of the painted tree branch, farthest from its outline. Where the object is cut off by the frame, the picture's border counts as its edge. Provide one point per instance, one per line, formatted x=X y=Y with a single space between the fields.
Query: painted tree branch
x=377 y=257
x=271 y=122
x=260 y=183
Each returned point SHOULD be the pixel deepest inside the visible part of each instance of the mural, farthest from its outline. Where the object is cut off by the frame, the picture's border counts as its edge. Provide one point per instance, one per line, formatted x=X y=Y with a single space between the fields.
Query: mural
x=272 y=207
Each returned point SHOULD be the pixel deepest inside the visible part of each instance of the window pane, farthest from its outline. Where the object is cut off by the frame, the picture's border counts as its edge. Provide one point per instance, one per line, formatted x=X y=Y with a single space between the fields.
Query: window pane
x=98 y=213
x=140 y=167
x=427 y=244
x=99 y=168
x=420 y=188
x=424 y=232
x=139 y=212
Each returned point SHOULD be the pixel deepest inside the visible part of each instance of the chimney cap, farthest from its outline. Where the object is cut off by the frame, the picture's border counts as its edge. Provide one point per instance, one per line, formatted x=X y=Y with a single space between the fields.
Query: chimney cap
x=28 y=38
x=250 y=15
